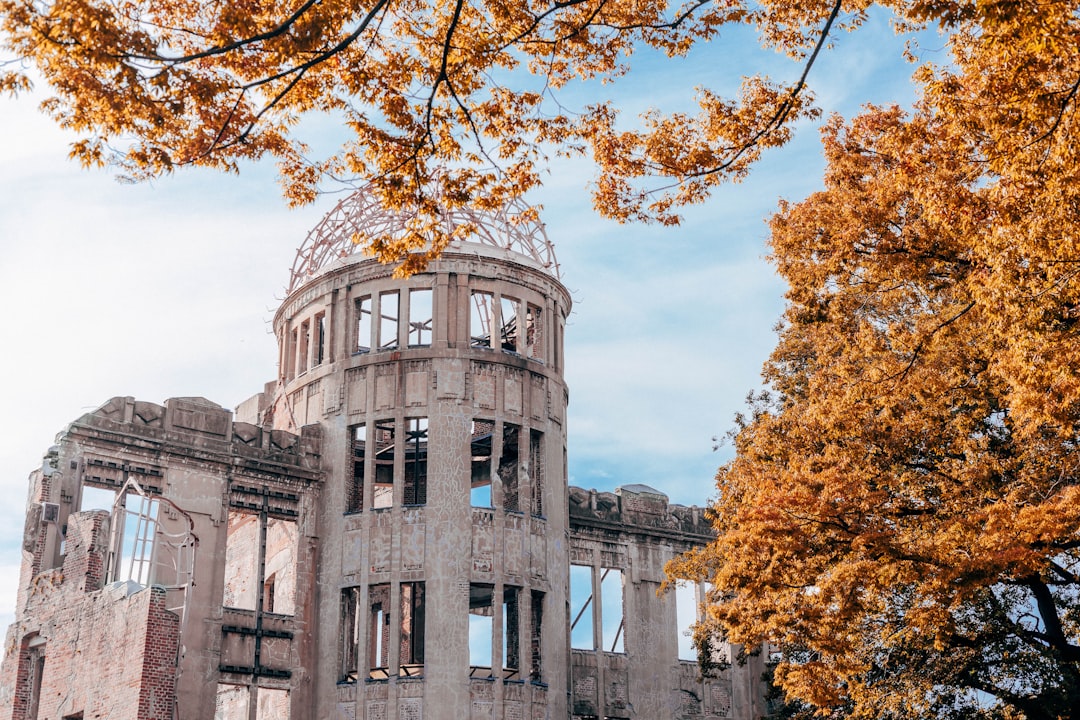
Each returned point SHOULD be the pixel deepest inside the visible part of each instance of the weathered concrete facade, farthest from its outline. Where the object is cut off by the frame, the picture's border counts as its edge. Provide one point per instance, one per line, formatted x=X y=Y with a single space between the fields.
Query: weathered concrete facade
x=122 y=612
x=628 y=536
x=385 y=532
x=444 y=449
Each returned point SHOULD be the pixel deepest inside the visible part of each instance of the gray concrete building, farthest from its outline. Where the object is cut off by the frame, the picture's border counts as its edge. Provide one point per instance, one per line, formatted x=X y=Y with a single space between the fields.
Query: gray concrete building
x=384 y=532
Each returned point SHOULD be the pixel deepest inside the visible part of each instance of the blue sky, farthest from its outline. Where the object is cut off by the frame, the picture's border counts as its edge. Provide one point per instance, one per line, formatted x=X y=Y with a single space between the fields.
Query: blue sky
x=168 y=288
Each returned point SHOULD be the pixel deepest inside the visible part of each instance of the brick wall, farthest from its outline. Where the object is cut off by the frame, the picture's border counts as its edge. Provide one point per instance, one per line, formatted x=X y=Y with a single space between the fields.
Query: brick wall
x=109 y=651
x=21 y=697
x=158 y=692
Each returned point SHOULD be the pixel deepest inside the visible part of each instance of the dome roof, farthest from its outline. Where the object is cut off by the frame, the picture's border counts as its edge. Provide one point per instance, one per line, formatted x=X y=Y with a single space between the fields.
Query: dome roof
x=514 y=228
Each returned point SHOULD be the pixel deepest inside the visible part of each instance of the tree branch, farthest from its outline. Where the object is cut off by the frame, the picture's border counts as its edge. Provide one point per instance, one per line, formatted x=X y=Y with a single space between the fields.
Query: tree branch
x=922 y=343
x=785 y=108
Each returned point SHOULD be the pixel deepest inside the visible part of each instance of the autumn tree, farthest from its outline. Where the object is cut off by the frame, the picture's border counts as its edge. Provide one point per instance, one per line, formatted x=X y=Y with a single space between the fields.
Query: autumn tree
x=446 y=103
x=902 y=515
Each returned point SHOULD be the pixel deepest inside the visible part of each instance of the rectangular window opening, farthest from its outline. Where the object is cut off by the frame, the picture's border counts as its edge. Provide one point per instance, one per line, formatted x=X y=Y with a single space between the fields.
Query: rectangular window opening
x=416 y=444
x=279 y=569
x=536 y=471
x=420 y=317
x=388 y=320
x=320 y=340
x=350 y=634
x=511 y=632
x=481 y=311
x=241 y=559
x=686 y=613
x=382 y=488
x=508 y=331
x=412 y=629
x=363 y=324
x=95 y=498
x=481 y=626
x=268 y=593
x=612 y=620
x=509 y=467
x=290 y=354
x=305 y=344
x=232 y=702
x=581 y=610
x=35 y=670
x=480 y=444
x=557 y=355
x=534 y=333
x=271 y=704
x=536 y=635
x=379 y=632
x=354 y=492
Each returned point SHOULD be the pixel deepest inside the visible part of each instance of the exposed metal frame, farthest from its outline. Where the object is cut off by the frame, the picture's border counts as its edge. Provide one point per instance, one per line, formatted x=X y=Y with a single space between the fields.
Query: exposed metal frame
x=514 y=227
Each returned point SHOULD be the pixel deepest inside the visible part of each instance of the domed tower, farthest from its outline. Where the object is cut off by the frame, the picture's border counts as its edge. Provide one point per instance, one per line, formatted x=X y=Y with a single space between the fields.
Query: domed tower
x=442 y=560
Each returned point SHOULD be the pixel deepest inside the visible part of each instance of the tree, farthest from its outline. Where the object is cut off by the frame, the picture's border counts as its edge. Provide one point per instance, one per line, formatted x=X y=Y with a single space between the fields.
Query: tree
x=448 y=103
x=902 y=512
x=903 y=509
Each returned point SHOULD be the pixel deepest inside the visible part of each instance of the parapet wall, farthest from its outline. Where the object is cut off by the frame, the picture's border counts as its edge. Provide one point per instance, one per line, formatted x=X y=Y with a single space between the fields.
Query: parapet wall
x=196 y=424
x=639 y=509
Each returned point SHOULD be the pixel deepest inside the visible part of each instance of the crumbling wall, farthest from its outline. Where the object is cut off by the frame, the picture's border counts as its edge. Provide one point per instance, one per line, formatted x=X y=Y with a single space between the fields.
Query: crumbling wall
x=175 y=473
x=634 y=532
x=107 y=652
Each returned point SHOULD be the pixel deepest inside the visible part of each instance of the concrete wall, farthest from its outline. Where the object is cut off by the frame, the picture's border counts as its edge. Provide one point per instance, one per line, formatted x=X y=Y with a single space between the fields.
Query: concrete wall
x=636 y=532
x=112 y=645
x=343 y=380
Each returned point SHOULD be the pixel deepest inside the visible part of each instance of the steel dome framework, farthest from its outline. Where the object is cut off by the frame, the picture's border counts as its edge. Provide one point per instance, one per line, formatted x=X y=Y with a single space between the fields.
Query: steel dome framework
x=515 y=228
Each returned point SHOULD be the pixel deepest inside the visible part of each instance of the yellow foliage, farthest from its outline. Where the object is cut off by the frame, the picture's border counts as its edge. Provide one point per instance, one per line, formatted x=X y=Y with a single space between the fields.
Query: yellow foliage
x=422 y=86
x=902 y=515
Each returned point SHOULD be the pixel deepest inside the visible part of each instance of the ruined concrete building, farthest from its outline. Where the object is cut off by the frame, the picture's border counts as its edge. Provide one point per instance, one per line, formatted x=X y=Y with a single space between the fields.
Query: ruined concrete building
x=386 y=532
